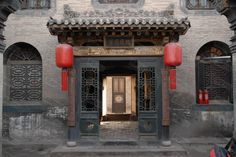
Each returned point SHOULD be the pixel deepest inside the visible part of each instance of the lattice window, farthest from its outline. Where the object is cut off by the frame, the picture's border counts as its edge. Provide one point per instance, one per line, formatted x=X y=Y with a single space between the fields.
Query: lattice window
x=25 y=70
x=199 y=4
x=215 y=76
x=214 y=73
x=147 y=89
x=35 y=4
x=89 y=89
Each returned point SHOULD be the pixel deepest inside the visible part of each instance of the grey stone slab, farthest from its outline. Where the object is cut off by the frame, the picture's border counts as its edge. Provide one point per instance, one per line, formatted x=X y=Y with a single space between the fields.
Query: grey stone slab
x=125 y=151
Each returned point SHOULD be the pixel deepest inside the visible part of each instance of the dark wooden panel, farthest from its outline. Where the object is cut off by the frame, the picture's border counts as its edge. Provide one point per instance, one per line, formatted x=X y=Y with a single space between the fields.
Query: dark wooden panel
x=118 y=95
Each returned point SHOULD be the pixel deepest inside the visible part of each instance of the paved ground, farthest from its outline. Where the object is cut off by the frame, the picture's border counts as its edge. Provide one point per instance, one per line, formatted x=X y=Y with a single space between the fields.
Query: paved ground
x=33 y=150
x=200 y=147
x=195 y=147
x=115 y=131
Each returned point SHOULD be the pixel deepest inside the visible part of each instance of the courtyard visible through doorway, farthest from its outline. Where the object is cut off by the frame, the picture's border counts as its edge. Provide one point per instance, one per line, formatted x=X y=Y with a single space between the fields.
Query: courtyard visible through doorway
x=119 y=102
x=119 y=98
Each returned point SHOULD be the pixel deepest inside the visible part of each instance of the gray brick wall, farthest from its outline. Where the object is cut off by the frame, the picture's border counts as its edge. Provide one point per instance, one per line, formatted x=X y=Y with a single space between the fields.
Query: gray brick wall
x=30 y=27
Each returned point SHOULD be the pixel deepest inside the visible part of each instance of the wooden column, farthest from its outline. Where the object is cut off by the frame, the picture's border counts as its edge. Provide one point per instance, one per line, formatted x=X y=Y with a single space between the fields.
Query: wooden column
x=71 y=119
x=165 y=108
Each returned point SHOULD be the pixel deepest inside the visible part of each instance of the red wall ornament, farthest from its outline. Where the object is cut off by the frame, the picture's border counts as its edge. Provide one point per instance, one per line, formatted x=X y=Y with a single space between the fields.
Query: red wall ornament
x=64 y=60
x=173 y=54
x=172 y=74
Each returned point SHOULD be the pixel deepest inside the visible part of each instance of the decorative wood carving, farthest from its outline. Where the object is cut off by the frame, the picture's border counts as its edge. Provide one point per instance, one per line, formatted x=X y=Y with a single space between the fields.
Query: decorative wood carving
x=137 y=51
x=117 y=1
x=117 y=12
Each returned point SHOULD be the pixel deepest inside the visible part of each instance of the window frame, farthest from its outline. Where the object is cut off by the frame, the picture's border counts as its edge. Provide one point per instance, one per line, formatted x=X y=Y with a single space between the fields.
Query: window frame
x=106 y=6
x=211 y=84
x=27 y=4
x=214 y=54
x=28 y=56
x=188 y=4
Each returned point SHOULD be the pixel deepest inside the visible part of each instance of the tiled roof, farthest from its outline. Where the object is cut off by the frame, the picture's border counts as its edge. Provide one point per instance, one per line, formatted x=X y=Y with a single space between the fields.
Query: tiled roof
x=120 y=21
x=118 y=18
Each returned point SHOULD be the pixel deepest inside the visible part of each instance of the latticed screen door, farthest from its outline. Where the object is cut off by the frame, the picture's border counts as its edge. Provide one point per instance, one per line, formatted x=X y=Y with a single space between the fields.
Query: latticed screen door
x=25 y=70
x=89 y=88
x=149 y=96
x=88 y=98
x=147 y=89
x=215 y=76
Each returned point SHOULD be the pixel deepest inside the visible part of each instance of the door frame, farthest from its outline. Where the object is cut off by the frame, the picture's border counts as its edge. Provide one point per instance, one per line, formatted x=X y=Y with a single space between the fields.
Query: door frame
x=156 y=61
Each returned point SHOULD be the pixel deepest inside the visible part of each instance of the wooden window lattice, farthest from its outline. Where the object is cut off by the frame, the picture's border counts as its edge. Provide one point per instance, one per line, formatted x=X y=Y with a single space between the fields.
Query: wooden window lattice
x=25 y=70
x=89 y=89
x=147 y=89
x=215 y=76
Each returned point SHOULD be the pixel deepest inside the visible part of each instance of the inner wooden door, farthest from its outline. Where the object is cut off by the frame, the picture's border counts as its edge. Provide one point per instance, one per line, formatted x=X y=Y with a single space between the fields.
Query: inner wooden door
x=118 y=94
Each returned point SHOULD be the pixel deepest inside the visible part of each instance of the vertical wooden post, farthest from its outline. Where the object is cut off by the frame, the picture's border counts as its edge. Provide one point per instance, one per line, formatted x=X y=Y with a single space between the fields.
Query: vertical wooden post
x=71 y=119
x=71 y=99
x=165 y=108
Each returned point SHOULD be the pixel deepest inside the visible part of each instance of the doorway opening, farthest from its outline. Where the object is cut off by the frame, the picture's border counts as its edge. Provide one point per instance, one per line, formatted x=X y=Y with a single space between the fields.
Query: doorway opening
x=118 y=113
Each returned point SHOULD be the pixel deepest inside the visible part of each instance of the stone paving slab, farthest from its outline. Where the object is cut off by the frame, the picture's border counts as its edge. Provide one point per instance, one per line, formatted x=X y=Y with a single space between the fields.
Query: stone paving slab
x=116 y=130
x=201 y=140
x=193 y=147
x=125 y=151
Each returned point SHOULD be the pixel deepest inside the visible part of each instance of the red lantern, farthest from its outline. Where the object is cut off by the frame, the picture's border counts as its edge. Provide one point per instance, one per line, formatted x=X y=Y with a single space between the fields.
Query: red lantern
x=173 y=54
x=64 y=56
x=64 y=60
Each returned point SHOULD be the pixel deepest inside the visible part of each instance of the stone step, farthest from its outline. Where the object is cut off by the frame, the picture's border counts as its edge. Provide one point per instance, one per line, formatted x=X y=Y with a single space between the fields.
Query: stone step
x=119 y=117
x=119 y=151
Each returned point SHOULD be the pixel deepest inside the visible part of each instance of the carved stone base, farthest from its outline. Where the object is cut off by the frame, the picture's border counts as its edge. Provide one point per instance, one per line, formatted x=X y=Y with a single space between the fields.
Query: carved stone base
x=71 y=143
x=166 y=143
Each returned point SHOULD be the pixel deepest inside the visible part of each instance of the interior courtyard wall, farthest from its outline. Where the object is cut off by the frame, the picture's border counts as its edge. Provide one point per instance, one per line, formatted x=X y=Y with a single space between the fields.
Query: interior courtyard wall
x=206 y=26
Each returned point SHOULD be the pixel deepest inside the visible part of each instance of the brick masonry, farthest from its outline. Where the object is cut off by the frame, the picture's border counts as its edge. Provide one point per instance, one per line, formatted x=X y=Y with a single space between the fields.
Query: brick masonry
x=30 y=26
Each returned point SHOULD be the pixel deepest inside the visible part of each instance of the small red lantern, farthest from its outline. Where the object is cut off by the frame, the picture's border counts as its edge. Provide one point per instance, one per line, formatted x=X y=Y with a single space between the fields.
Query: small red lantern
x=173 y=54
x=64 y=60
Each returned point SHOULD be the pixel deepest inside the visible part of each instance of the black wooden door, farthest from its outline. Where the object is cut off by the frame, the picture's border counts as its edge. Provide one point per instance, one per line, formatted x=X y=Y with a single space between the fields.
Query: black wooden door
x=88 y=97
x=118 y=94
x=149 y=97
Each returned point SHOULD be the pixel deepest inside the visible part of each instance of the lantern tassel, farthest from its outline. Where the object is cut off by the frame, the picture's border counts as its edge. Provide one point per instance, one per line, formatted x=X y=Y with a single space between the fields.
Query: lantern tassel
x=64 y=80
x=172 y=83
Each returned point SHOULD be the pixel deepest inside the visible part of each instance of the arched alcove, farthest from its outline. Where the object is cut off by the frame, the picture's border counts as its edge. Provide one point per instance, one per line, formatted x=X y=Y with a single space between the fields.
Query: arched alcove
x=22 y=73
x=214 y=72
